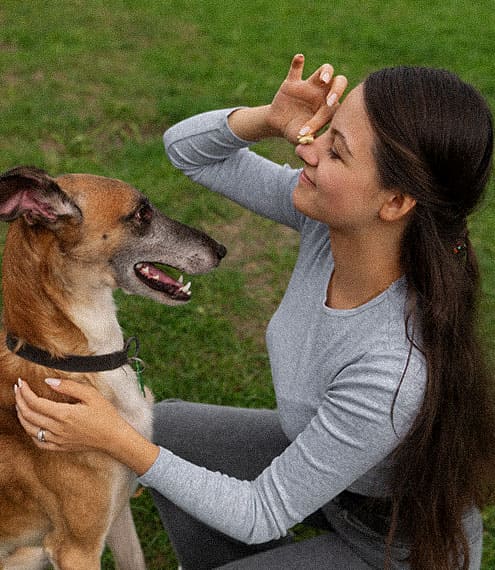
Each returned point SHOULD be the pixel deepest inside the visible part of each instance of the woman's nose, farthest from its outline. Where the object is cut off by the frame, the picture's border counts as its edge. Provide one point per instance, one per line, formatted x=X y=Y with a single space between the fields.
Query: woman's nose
x=308 y=153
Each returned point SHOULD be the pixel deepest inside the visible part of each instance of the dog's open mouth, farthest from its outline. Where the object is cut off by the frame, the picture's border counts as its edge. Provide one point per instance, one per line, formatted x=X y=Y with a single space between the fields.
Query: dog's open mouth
x=157 y=279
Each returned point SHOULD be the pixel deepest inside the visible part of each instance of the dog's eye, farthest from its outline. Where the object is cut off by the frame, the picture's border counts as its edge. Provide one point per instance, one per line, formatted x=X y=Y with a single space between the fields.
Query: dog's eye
x=143 y=214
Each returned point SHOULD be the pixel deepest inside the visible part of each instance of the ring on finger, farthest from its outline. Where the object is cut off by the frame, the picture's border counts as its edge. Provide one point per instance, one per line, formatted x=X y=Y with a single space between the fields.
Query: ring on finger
x=41 y=435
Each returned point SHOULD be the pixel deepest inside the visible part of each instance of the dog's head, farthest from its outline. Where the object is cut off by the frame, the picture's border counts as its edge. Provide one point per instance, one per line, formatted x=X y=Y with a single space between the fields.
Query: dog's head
x=106 y=231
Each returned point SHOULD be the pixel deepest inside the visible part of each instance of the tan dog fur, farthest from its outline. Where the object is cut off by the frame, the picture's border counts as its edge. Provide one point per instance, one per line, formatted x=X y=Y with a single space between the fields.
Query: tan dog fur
x=62 y=260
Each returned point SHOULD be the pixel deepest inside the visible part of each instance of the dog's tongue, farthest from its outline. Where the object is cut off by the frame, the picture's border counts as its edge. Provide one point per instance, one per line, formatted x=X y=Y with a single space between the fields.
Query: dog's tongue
x=152 y=272
x=158 y=279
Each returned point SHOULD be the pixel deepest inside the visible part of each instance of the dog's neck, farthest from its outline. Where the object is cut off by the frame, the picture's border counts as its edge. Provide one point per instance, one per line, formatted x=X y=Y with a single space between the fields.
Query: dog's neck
x=97 y=320
x=49 y=305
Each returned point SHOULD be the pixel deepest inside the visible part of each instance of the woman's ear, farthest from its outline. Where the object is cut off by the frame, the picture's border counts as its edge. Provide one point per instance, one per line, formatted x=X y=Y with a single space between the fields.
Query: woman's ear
x=396 y=206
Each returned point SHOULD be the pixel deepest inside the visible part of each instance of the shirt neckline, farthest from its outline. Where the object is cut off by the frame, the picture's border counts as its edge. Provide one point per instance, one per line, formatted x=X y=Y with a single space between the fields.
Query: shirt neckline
x=395 y=286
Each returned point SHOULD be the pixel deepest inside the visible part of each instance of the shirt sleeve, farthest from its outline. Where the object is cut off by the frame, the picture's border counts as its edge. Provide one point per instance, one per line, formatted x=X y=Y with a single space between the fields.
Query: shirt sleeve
x=205 y=149
x=351 y=433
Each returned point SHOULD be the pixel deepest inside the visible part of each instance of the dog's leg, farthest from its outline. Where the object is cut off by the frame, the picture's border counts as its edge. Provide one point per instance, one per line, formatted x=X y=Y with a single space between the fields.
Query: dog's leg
x=124 y=542
x=65 y=553
x=72 y=558
x=27 y=558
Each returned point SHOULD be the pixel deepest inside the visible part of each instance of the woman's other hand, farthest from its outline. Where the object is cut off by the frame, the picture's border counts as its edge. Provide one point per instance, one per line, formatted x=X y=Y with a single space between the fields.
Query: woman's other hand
x=92 y=423
x=68 y=427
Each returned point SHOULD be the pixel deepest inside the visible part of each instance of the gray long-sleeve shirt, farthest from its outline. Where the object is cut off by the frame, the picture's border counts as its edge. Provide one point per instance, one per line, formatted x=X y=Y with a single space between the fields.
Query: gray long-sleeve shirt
x=335 y=372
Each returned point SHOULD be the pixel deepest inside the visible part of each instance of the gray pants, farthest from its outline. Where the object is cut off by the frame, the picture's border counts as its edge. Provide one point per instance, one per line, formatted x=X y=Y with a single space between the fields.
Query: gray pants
x=241 y=443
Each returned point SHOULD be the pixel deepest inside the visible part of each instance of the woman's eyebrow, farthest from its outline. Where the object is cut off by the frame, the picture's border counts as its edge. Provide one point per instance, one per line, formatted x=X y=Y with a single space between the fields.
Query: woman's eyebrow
x=337 y=133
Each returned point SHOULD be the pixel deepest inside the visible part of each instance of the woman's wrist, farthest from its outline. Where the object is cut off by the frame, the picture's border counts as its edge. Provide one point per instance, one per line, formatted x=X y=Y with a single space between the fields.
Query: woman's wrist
x=251 y=123
x=129 y=447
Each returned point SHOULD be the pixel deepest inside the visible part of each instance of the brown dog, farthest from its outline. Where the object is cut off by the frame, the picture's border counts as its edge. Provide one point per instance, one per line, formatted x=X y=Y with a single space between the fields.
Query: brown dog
x=72 y=241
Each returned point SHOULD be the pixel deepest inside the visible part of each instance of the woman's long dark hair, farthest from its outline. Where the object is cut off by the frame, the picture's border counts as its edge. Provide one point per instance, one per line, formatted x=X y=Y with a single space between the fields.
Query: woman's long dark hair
x=434 y=142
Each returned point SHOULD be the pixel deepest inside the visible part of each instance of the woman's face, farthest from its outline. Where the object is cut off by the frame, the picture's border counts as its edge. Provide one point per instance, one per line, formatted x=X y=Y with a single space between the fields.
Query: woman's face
x=339 y=182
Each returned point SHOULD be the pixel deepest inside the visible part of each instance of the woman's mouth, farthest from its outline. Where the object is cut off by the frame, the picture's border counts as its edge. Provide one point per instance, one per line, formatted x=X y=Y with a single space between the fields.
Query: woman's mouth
x=305 y=179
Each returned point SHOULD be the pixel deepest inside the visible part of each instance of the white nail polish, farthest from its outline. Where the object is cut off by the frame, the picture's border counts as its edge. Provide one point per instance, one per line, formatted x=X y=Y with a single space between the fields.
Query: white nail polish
x=325 y=77
x=304 y=131
x=332 y=99
x=52 y=381
x=15 y=388
x=19 y=381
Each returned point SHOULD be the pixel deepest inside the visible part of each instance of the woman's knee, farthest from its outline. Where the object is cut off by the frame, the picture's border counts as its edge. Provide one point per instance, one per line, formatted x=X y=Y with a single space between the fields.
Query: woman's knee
x=236 y=441
x=170 y=418
x=195 y=431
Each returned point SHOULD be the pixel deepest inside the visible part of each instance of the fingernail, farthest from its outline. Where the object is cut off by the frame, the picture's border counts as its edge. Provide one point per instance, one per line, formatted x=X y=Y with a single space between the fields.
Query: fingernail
x=304 y=131
x=19 y=382
x=52 y=381
x=325 y=77
x=332 y=99
x=15 y=388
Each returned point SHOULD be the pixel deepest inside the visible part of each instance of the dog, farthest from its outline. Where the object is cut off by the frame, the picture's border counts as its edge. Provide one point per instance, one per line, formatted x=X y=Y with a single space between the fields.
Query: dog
x=73 y=240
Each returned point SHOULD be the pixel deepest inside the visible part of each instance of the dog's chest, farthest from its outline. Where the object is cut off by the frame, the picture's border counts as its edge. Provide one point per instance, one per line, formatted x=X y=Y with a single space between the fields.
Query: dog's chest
x=98 y=321
x=128 y=398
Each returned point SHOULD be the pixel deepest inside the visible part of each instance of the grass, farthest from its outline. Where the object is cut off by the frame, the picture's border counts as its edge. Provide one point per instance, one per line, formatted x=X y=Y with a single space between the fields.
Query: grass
x=90 y=86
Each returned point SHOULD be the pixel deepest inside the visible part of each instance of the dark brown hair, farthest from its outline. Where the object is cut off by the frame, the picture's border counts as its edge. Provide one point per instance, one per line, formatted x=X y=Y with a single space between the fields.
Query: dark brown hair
x=434 y=142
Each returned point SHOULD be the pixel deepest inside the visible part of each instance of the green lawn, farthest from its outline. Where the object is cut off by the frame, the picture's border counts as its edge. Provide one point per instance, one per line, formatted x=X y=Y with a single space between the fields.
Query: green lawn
x=90 y=86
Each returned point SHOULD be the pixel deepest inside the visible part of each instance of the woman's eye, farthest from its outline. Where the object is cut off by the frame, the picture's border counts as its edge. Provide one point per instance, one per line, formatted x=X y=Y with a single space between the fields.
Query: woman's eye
x=333 y=154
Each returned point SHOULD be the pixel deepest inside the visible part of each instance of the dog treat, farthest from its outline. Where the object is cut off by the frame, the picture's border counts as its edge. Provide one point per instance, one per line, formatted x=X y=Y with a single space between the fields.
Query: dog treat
x=305 y=139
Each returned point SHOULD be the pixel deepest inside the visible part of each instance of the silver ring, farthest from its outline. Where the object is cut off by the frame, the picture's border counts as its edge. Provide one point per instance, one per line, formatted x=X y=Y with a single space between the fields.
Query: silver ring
x=41 y=435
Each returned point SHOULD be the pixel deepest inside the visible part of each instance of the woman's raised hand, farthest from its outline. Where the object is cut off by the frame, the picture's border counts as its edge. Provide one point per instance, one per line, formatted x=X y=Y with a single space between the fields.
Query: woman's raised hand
x=301 y=107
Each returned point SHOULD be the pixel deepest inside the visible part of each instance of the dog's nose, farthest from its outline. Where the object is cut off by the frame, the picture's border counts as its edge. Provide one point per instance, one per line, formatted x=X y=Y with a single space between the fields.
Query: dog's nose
x=221 y=251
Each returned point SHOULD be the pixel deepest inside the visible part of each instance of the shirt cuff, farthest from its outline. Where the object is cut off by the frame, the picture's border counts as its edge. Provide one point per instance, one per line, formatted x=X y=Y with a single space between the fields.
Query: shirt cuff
x=157 y=470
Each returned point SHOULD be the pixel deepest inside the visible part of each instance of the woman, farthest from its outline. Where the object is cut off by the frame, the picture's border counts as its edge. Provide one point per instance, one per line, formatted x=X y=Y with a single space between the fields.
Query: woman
x=384 y=427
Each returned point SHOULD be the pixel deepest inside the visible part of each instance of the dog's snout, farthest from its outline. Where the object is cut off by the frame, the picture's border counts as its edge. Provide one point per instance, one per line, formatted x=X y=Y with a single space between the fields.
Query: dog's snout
x=221 y=251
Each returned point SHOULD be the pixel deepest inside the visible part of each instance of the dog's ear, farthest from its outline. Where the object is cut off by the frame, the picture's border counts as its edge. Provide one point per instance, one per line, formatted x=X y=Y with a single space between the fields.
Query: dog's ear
x=30 y=192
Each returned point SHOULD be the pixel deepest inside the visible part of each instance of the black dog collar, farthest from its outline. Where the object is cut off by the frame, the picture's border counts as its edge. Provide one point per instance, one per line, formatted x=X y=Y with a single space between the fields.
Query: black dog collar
x=75 y=363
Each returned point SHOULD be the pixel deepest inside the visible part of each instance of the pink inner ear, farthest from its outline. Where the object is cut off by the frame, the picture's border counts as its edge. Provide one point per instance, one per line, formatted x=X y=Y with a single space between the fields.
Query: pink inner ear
x=24 y=202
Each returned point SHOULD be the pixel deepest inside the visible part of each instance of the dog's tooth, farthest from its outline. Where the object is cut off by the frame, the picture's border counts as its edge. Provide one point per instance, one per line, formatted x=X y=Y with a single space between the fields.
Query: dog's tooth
x=185 y=289
x=181 y=279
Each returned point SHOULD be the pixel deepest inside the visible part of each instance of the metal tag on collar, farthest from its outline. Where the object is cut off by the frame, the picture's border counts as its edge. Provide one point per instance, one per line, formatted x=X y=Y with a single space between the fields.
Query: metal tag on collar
x=135 y=361
x=132 y=340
